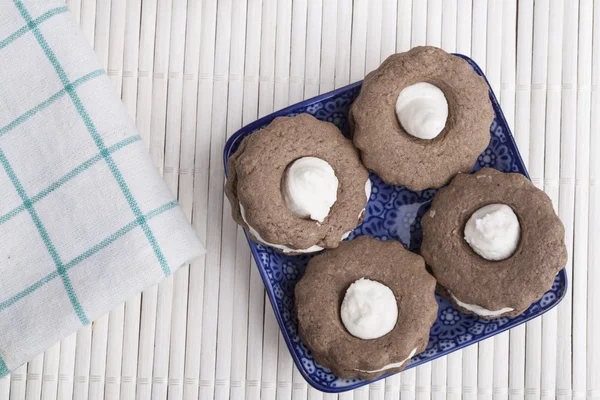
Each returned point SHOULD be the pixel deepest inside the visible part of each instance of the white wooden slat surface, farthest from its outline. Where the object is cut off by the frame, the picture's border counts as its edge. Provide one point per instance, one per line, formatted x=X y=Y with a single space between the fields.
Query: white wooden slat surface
x=131 y=324
x=593 y=322
x=192 y=72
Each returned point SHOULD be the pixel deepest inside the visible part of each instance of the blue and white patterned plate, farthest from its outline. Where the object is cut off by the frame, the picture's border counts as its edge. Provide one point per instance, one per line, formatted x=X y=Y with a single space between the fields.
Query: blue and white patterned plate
x=393 y=212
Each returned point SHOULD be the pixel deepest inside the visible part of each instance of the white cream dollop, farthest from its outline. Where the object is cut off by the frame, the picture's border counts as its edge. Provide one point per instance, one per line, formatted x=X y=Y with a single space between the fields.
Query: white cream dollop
x=392 y=365
x=310 y=188
x=484 y=312
x=493 y=232
x=422 y=110
x=369 y=309
x=284 y=248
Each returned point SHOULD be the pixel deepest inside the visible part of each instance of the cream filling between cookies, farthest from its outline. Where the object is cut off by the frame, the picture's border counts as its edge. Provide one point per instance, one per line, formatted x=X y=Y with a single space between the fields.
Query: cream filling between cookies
x=422 y=110
x=311 y=249
x=483 y=312
x=393 y=365
x=281 y=247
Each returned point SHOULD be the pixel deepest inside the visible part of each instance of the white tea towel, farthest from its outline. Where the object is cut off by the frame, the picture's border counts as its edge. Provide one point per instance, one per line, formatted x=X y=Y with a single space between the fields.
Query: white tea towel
x=85 y=219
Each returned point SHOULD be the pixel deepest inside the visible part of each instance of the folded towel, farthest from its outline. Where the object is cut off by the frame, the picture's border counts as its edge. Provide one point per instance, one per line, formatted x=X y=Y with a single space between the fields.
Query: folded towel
x=85 y=219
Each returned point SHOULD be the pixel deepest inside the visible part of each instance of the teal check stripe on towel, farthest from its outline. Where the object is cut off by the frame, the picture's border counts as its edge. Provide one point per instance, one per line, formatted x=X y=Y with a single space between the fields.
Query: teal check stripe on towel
x=45 y=237
x=36 y=22
x=85 y=220
x=92 y=129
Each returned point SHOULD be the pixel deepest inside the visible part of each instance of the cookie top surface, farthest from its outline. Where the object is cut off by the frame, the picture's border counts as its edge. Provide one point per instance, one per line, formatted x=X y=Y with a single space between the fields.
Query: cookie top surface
x=514 y=282
x=401 y=159
x=255 y=179
x=320 y=292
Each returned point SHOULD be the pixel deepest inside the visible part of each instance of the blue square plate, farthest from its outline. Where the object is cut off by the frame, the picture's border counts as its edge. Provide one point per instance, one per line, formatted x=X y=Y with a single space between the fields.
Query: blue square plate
x=393 y=212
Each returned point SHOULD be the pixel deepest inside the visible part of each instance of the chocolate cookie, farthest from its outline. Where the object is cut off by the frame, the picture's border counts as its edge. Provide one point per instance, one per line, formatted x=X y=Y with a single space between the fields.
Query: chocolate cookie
x=320 y=292
x=402 y=159
x=256 y=175
x=480 y=286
